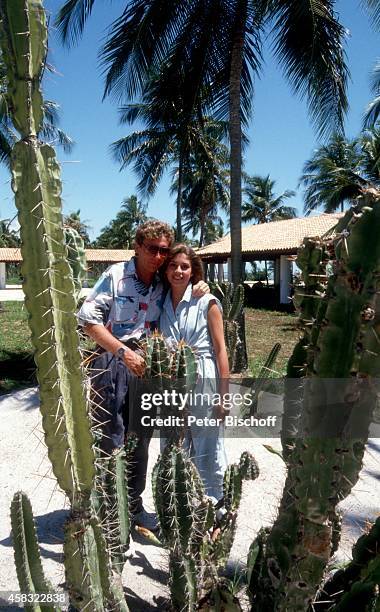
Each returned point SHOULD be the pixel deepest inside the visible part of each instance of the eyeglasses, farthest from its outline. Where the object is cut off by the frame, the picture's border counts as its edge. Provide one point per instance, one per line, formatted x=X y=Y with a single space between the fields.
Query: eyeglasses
x=155 y=250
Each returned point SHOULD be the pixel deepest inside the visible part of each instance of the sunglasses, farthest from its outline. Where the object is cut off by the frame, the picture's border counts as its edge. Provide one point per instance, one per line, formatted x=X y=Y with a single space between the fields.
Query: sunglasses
x=155 y=250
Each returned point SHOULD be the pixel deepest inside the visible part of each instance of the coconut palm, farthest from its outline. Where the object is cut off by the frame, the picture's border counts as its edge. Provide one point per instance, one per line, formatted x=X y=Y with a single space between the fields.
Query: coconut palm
x=217 y=45
x=205 y=183
x=337 y=172
x=120 y=232
x=171 y=136
x=8 y=236
x=261 y=204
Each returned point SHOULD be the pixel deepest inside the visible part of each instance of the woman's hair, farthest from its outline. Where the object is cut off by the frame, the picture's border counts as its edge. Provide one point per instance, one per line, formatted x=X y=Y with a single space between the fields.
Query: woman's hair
x=195 y=261
x=150 y=230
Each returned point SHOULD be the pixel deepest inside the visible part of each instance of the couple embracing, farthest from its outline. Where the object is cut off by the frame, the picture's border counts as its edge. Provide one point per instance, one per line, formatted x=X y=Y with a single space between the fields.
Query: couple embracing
x=161 y=287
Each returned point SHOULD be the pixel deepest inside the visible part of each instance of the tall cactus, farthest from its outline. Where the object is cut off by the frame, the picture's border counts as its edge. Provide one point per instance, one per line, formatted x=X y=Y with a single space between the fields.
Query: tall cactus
x=50 y=301
x=30 y=573
x=341 y=356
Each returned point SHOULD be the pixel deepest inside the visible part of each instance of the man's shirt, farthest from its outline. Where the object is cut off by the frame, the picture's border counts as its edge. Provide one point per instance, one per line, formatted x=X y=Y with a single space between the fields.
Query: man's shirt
x=122 y=303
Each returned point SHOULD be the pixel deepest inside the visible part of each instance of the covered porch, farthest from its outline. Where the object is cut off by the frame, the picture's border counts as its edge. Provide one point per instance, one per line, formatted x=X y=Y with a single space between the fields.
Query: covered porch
x=277 y=241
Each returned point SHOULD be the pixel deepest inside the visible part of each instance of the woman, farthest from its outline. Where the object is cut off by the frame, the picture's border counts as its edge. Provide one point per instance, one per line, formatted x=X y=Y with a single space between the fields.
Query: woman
x=199 y=322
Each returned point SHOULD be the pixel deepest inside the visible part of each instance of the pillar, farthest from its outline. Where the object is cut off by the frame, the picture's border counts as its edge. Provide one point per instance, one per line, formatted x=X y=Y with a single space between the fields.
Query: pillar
x=277 y=272
x=3 y=275
x=211 y=272
x=229 y=270
x=220 y=273
x=285 y=278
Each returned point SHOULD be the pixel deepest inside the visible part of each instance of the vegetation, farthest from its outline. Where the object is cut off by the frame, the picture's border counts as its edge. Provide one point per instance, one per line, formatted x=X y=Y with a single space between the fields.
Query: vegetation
x=120 y=232
x=263 y=329
x=261 y=204
x=340 y=171
x=211 y=50
x=8 y=236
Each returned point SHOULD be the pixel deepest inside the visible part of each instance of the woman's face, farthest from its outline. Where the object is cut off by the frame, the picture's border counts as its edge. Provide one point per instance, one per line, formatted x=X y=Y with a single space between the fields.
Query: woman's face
x=179 y=271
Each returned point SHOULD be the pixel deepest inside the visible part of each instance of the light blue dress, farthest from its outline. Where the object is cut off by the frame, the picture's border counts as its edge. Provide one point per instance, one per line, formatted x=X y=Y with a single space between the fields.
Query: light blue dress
x=205 y=444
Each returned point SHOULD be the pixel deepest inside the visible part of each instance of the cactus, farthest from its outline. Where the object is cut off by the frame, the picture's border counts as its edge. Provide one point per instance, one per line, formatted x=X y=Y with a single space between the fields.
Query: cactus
x=232 y=300
x=76 y=256
x=50 y=301
x=356 y=587
x=325 y=459
x=30 y=573
x=199 y=537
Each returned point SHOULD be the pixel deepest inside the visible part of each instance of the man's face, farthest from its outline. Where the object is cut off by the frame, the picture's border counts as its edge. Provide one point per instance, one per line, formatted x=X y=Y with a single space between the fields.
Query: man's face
x=152 y=253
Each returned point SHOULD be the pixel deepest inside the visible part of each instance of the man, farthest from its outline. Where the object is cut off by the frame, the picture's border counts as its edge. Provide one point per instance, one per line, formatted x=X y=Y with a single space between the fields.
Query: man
x=125 y=305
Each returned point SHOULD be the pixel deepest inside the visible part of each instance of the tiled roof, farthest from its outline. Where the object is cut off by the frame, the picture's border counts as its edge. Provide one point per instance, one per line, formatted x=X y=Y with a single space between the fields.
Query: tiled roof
x=92 y=255
x=273 y=238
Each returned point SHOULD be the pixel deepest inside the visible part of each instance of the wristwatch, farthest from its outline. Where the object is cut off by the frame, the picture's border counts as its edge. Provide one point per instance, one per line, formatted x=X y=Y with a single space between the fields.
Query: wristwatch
x=120 y=353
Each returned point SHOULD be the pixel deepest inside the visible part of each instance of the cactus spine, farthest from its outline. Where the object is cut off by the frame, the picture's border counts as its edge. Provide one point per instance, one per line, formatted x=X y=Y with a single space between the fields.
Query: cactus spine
x=326 y=457
x=76 y=256
x=50 y=301
x=30 y=573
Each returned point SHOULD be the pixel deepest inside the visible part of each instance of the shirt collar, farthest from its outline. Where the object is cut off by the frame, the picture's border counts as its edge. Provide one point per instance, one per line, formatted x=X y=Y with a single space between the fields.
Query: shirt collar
x=131 y=271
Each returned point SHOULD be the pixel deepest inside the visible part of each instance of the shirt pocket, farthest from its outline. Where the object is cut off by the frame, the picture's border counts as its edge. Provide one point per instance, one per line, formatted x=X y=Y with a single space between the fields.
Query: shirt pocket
x=125 y=310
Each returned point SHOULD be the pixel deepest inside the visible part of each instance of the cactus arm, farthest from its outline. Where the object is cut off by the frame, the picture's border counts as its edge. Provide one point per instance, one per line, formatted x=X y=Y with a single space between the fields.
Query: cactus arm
x=76 y=255
x=30 y=573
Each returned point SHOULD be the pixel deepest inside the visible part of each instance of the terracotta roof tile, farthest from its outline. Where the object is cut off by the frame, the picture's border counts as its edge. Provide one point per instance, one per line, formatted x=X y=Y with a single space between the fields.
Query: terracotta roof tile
x=275 y=237
x=93 y=255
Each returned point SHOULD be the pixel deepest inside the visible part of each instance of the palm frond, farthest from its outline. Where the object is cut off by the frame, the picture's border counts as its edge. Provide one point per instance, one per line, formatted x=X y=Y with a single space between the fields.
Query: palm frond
x=309 y=43
x=72 y=18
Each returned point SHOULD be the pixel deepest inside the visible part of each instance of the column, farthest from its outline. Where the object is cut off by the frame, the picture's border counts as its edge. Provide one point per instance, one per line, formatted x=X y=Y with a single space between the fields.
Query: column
x=220 y=273
x=229 y=270
x=3 y=274
x=285 y=278
x=277 y=272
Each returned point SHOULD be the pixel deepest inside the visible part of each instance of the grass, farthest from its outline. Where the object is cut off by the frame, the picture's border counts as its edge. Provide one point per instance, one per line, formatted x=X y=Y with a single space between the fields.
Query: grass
x=263 y=329
x=17 y=368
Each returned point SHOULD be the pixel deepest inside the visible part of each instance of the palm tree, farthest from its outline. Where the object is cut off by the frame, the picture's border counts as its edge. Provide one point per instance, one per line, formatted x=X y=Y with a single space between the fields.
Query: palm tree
x=216 y=44
x=8 y=236
x=335 y=174
x=120 y=232
x=205 y=182
x=171 y=136
x=73 y=220
x=262 y=205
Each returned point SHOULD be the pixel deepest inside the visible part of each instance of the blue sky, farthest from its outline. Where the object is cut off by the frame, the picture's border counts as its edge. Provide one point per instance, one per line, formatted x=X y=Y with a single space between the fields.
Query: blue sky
x=281 y=136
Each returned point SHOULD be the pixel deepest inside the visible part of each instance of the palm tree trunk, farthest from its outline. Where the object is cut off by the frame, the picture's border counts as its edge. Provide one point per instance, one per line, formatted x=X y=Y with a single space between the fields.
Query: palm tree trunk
x=179 y=199
x=235 y=141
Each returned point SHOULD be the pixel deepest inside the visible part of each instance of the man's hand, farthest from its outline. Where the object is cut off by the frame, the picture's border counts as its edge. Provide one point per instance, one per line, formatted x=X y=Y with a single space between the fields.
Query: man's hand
x=200 y=289
x=134 y=362
x=220 y=412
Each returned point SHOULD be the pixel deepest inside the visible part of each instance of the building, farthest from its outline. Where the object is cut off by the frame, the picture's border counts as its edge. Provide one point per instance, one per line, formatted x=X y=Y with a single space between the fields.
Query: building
x=276 y=241
x=103 y=256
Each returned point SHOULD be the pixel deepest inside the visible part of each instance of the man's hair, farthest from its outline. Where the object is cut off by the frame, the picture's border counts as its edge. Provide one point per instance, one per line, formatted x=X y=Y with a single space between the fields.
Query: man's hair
x=151 y=230
x=195 y=261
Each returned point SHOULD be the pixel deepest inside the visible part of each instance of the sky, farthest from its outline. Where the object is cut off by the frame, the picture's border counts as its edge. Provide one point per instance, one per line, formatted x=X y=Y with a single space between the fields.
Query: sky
x=281 y=135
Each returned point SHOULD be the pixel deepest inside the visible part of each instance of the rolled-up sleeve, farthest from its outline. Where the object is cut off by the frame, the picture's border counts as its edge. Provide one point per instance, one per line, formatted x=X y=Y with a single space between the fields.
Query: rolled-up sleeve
x=96 y=307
